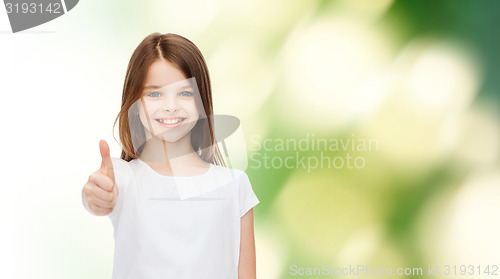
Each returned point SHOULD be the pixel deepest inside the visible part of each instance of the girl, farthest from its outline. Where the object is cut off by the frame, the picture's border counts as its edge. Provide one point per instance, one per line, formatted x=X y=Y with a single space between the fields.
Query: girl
x=177 y=210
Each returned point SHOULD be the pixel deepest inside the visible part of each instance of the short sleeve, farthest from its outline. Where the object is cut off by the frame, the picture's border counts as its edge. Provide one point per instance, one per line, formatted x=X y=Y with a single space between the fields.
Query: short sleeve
x=122 y=179
x=248 y=199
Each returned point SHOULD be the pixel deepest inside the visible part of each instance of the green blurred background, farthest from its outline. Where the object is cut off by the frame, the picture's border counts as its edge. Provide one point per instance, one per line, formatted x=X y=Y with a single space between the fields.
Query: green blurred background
x=419 y=78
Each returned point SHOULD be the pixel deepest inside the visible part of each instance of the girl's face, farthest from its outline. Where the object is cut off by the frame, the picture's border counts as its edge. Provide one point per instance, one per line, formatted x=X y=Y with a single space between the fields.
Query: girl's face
x=167 y=107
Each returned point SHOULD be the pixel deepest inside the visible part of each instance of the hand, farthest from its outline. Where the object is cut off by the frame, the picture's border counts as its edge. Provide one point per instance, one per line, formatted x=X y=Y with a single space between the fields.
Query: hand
x=100 y=191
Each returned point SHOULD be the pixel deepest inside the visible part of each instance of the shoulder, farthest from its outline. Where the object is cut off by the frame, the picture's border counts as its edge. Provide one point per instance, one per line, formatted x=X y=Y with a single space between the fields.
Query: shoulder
x=119 y=162
x=237 y=176
x=122 y=167
x=227 y=170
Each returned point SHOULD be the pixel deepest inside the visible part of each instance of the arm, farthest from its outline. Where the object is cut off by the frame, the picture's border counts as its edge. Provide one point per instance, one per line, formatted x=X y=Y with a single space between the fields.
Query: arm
x=247 y=265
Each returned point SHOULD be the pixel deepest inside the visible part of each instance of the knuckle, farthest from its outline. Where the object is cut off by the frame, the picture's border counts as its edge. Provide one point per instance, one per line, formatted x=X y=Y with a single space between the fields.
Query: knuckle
x=85 y=189
x=109 y=183
x=91 y=191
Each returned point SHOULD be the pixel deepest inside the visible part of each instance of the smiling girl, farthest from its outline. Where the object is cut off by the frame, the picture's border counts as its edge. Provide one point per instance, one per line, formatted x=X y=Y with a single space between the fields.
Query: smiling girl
x=177 y=210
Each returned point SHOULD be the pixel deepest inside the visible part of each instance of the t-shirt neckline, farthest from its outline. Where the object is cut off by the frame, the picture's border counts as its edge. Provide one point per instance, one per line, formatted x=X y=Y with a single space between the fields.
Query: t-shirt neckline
x=176 y=177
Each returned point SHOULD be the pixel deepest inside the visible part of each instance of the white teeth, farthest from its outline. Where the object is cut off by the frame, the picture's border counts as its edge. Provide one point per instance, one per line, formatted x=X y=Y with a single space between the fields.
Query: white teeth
x=170 y=121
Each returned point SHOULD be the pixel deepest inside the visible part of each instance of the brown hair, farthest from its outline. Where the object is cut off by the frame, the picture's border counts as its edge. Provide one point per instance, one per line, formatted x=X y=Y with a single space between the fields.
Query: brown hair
x=185 y=55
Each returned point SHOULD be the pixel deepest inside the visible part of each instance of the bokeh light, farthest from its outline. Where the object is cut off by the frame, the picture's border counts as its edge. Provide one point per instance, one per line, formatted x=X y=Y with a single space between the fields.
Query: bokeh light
x=327 y=62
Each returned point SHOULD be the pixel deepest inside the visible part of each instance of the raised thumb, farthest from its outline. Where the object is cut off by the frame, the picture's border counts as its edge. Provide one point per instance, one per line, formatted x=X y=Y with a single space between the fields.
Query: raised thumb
x=106 y=165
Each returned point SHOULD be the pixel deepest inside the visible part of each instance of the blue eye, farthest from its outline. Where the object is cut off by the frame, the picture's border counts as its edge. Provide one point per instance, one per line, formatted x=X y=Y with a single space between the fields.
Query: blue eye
x=188 y=93
x=154 y=94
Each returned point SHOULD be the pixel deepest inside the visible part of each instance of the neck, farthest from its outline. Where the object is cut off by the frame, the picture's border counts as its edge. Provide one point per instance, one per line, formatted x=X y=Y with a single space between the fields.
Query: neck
x=159 y=150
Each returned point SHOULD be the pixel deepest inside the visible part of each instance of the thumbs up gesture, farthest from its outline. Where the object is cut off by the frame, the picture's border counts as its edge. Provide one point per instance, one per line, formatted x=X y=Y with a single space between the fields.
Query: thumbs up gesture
x=100 y=192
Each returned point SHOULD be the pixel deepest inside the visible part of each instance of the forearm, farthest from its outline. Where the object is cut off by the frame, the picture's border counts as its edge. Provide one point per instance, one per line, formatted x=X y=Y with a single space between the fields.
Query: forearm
x=247 y=262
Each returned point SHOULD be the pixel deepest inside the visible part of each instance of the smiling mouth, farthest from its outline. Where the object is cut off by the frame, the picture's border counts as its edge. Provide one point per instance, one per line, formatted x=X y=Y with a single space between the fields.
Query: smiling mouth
x=170 y=121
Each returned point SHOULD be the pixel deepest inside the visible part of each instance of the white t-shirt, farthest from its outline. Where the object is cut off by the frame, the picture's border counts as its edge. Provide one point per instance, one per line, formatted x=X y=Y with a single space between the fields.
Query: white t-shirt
x=178 y=227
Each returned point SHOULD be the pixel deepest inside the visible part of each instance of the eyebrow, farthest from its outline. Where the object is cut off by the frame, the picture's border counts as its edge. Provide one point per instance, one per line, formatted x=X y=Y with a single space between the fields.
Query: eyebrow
x=157 y=86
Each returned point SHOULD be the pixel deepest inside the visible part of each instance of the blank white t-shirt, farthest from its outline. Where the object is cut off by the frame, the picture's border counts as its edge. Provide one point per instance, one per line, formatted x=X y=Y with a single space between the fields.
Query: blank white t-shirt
x=178 y=227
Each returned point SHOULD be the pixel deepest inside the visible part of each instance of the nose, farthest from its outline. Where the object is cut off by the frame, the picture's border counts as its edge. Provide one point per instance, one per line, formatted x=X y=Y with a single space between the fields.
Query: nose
x=170 y=103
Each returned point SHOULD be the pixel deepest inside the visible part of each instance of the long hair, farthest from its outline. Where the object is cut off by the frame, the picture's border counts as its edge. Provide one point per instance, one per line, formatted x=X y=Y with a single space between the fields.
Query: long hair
x=188 y=58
